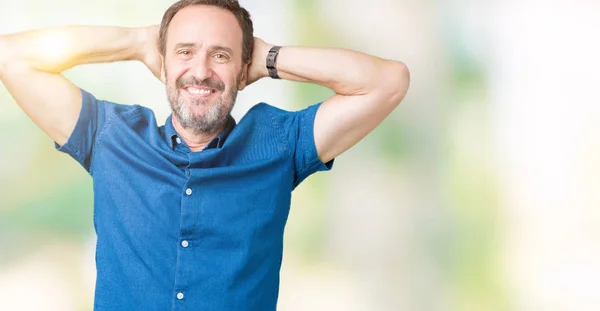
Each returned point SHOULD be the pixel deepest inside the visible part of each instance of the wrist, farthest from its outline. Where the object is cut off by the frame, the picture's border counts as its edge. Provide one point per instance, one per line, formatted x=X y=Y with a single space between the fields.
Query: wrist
x=263 y=58
x=143 y=42
x=272 y=62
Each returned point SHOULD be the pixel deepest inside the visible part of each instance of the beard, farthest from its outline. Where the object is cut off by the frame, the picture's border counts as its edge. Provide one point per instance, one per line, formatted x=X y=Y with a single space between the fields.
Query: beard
x=217 y=112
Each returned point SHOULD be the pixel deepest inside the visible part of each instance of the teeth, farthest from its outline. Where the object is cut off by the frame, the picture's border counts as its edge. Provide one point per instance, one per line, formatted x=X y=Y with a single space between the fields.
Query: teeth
x=198 y=91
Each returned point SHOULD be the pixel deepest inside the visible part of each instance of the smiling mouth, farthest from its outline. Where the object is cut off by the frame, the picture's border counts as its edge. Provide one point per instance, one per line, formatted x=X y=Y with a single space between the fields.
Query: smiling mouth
x=199 y=91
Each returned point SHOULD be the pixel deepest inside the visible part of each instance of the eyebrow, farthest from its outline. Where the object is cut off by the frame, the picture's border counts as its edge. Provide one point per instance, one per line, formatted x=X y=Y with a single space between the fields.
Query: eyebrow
x=212 y=48
x=221 y=48
x=184 y=45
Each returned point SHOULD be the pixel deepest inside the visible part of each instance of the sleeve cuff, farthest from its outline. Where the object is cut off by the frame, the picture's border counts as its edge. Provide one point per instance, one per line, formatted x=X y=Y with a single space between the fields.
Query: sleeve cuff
x=308 y=147
x=73 y=145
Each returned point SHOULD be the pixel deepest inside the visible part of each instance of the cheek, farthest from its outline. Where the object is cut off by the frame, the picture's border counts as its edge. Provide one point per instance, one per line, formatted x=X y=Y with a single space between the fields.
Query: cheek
x=228 y=72
x=174 y=70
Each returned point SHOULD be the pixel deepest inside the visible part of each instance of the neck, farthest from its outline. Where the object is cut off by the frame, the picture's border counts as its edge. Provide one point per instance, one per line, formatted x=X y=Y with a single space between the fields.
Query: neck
x=196 y=142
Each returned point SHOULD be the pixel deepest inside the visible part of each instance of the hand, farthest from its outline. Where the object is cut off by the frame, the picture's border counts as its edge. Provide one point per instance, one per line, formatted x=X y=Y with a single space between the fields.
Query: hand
x=150 y=54
x=258 y=64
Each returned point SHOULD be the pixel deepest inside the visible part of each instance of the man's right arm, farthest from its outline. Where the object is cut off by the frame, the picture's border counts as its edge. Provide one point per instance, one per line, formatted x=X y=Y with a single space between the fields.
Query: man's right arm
x=31 y=64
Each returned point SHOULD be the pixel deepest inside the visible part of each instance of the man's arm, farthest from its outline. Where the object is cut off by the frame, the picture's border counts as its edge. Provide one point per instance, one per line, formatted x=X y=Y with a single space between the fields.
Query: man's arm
x=367 y=90
x=31 y=64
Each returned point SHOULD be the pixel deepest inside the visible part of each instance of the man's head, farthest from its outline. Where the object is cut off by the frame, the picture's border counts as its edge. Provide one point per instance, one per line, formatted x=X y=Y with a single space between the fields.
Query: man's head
x=206 y=47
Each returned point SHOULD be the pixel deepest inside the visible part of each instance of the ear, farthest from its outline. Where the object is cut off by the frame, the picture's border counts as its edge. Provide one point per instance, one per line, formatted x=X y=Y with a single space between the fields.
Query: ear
x=163 y=74
x=244 y=78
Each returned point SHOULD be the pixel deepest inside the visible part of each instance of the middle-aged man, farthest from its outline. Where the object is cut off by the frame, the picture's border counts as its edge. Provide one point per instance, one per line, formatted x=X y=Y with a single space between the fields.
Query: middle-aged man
x=190 y=215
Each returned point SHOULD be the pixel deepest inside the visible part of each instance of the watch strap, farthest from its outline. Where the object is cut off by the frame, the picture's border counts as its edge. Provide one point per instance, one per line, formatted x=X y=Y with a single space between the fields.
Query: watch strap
x=272 y=62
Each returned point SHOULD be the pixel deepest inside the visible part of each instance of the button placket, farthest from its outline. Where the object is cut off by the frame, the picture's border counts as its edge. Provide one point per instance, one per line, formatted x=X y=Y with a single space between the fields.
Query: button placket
x=183 y=244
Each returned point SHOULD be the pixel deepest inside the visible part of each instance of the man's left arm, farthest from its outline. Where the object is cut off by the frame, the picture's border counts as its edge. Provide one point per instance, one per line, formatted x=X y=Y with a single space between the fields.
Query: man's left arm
x=367 y=90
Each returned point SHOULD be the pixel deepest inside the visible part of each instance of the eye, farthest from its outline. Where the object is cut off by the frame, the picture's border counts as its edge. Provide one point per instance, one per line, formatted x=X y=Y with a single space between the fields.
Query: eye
x=220 y=57
x=184 y=53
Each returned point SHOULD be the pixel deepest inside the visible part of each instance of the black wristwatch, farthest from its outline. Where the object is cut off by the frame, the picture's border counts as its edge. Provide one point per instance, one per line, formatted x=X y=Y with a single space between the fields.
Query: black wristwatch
x=272 y=62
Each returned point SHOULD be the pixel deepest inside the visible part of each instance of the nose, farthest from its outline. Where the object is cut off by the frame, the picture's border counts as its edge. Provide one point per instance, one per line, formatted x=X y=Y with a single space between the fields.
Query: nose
x=201 y=69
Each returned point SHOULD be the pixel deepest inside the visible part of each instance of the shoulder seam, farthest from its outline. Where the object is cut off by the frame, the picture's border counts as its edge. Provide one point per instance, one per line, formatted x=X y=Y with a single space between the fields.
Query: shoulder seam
x=278 y=129
x=110 y=118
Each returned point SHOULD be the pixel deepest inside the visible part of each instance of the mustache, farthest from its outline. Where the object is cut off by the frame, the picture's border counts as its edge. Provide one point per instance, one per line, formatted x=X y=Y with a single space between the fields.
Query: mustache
x=192 y=81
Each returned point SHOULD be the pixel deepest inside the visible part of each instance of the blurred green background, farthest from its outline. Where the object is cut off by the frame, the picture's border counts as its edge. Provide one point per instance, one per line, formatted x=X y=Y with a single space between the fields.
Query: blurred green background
x=478 y=193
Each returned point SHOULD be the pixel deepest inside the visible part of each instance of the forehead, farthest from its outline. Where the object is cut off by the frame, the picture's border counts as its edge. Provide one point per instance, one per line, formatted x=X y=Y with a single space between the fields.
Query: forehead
x=205 y=25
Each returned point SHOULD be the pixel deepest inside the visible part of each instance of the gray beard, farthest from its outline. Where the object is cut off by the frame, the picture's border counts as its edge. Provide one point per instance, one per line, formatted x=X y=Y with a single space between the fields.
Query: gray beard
x=215 y=117
x=210 y=122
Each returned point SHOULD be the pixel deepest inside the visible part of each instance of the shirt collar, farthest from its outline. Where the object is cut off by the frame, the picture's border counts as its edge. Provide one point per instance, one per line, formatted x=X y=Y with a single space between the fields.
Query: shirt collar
x=173 y=139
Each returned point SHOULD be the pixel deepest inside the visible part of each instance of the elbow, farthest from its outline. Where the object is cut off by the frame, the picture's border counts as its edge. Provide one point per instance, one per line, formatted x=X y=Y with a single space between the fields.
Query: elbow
x=392 y=84
x=398 y=83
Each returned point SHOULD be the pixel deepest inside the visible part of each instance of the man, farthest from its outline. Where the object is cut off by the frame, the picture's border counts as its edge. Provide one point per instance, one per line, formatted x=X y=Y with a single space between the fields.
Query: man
x=190 y=215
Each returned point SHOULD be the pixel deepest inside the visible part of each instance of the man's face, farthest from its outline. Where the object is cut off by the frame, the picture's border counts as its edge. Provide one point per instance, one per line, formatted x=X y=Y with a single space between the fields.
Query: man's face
x=203 y=67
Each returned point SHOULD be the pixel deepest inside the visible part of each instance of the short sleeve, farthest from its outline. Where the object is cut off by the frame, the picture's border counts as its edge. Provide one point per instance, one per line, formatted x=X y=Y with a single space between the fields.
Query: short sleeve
x=92 y=119
x=298 y=130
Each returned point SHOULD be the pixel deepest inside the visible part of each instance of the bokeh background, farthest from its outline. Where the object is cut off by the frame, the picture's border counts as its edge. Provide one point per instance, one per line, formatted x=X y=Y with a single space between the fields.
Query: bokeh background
x=479 y=193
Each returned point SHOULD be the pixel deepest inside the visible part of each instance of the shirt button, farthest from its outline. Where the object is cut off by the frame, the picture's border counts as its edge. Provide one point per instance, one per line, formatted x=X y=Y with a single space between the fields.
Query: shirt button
x=188 y=191
x=180 y=296
x=185 y=243
x=178 y=140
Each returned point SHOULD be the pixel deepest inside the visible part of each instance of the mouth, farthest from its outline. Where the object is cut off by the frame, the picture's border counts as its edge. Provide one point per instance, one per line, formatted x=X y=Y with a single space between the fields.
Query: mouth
x=199 y=91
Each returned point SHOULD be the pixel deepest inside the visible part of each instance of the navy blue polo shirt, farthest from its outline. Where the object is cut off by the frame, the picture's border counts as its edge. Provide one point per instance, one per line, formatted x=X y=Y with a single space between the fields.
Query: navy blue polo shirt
x=182 y=230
